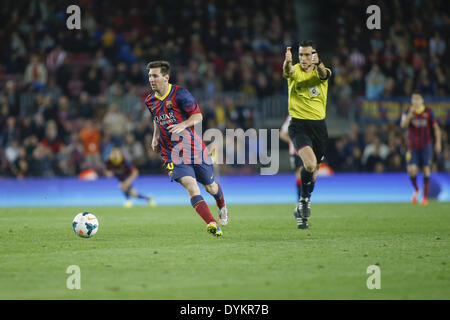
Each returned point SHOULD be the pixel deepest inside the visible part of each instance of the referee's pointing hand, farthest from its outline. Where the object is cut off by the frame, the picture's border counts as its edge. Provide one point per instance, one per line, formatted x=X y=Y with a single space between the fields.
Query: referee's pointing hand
x=288 y=56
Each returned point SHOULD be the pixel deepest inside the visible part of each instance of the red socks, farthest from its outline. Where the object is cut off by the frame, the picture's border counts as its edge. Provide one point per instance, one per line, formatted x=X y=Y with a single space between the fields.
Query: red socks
x=414 y=182
x=202 y=209
x=220 y=201
x=426 y=186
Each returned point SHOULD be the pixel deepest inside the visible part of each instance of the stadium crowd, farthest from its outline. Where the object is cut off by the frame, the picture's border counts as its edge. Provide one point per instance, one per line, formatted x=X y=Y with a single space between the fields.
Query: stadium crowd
x=409 y=53
x=379 y=148
x=67 y=96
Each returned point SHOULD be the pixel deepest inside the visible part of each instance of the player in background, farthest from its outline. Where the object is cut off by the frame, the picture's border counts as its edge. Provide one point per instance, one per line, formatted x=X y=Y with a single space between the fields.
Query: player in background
x=307 y=100
x=420 y=120
x=175 y=112
x=294 y=160
x=117 y=166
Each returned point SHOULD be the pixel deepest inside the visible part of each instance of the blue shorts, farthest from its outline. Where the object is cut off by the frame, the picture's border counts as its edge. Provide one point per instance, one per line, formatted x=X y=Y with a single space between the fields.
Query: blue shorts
x=421 y=157
x=203 y=173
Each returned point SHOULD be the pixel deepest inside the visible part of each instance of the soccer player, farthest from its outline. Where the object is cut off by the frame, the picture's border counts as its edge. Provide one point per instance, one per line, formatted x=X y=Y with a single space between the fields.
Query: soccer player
x=307 y=99
x=294 y=160
x=117 y=166
x=420 y=121
x=175 y=112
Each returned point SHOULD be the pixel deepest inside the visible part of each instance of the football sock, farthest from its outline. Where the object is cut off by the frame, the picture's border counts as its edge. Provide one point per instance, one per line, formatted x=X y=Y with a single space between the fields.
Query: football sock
x=414 y=182
x=311 y=186
x=127 y=195
x=426 y=186
x=140 y=196
x=220 y=201
x=298 y=182
x=306 y=183
x=202 y=209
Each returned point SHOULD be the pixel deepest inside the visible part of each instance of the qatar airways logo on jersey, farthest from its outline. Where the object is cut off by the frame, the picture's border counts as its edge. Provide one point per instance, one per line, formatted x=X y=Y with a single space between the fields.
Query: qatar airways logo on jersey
x=419 y=122
x=235 y=147
x=166 y=119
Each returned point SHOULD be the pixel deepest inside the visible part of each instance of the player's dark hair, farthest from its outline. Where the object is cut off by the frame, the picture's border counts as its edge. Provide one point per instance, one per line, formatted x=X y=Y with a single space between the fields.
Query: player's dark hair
x=164 y=65
x=308 y=43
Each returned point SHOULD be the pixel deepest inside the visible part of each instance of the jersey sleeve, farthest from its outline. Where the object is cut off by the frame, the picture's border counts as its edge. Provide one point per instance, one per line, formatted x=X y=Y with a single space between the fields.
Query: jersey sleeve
x=186 y=102
x=329 y=74
x=147 y=103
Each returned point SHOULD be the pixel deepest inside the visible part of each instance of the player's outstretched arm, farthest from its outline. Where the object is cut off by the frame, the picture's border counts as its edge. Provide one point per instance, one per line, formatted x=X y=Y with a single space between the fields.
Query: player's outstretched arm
x=288 y=69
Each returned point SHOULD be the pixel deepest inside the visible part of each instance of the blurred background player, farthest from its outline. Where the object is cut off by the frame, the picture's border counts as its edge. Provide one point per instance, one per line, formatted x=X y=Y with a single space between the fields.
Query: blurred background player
x=175 y=112
x=420 y=122
x=307 y=90
x=295 y=161
x=117 y=166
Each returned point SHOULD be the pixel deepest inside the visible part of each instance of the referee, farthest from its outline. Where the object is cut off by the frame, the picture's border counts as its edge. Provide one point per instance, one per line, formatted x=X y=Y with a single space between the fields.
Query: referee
x=308 y=87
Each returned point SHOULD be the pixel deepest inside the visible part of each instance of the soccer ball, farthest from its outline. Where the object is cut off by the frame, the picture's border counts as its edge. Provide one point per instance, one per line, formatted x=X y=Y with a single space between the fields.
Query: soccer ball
x=85 y=225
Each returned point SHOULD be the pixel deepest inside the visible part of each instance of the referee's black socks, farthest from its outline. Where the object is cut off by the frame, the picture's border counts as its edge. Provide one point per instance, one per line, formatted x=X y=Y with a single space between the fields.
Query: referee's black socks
x=307 y=183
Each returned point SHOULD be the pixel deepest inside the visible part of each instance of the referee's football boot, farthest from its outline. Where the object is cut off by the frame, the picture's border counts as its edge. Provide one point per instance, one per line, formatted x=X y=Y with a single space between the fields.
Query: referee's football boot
x=302 y=213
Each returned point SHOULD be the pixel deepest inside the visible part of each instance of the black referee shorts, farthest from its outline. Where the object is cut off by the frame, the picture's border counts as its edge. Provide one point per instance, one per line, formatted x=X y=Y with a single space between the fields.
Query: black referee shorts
x=311 y=133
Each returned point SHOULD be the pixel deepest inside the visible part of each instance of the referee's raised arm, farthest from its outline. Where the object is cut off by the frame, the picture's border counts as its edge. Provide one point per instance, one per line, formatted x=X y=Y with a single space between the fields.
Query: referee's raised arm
x=288 y=69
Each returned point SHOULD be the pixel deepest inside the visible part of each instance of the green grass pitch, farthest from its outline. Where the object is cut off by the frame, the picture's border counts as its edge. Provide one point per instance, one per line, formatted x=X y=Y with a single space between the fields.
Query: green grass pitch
x=165 y=253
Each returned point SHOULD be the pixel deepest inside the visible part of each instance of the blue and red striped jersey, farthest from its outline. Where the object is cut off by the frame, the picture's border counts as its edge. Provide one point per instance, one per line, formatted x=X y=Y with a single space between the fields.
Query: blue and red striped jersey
x=174 y=107
x=420 y=129
x=120 y=170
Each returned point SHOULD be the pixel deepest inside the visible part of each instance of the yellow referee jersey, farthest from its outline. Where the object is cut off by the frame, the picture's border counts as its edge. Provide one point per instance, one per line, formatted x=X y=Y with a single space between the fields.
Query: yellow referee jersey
x=307 y=94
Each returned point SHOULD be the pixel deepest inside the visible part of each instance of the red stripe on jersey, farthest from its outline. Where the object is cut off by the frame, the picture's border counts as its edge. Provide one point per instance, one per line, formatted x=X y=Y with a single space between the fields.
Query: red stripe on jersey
x=429 y=121
x=410 y=136
x=422 y=131
x=147 y=104
x=187 y=137
x=175 y=108
x=165 y=137
x=166 y=111
x=416 y=132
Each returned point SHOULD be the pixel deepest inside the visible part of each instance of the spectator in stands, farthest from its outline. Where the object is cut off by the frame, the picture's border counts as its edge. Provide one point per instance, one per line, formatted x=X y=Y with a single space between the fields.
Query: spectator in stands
x=36 y=73
x=374 y=83
x=373 y=153
x=134 y=150
x=115 y=123
x=236 y=55
x=12 y=98
x=55 y=59
x=84 y=108
x=90 y=136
